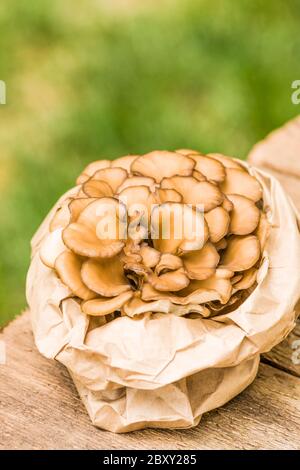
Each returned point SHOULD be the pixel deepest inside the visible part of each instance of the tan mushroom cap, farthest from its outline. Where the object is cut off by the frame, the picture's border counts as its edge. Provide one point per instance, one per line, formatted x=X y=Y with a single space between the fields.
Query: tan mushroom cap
x=263 y=230
x=76 y=206
x=195 y=192
x=52 y=246
x=247 y=280
x=245 y=215
x=201 y=264
x=242 y=183
x=211 y=168
x=96 y=188
x=218 y=221
x=82 y=236
x=161 y=164
x=137 y=199
x=68 y=267
x=227 y=205
x=61 y=217
x=150 y=256
x=198 y=176
x=168 y=262
x=169 y=281
x=124 y=162
x=91 y=169
x=137 y=181
x=242 y=253
x=187 y=152
x=168 y=195
x=227 y=162
x=105 y=277
x=114 y=177
x=173 y=228
x=104 y=306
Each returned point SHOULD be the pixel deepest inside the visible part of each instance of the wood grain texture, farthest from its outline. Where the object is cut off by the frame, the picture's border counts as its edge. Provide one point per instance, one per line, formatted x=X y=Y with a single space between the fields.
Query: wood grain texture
x=40 y=409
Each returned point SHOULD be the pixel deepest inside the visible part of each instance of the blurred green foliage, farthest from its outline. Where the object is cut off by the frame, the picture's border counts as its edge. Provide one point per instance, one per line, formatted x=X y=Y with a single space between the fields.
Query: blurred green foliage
x=90 y=79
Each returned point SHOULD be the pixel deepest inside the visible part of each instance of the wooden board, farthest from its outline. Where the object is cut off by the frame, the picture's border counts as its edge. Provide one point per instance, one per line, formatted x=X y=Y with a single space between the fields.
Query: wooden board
x=40 y=409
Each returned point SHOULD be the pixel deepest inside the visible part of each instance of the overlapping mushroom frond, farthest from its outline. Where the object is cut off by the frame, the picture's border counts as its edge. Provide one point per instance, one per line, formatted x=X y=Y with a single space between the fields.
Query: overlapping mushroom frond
x=135 y=269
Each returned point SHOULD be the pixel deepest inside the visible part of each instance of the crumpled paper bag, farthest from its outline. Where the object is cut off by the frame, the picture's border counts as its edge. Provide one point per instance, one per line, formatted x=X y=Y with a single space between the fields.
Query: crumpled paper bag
x=162 y=370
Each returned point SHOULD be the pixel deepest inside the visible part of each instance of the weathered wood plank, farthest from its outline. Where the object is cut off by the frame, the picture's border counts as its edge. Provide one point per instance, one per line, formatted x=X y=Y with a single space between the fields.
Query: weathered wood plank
x=40 y=409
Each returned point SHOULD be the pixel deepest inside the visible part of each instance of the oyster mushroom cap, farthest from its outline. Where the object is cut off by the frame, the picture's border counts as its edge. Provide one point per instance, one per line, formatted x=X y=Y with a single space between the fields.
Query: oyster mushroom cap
x=169 y=281
x=227 y=205
x=137 y=181
x=195 y=192
x=245 y=215
x=247 y=280
x=168 y=262
x=201 y=264
x=242 y=183
x=76 y=206
x=227 y=162
x=105 y=277
x=124 y=162
x=93 y=213
x=52 y=246
x=218 y=221
x=87 y=237
x=161 y=164
x=84 y=241
x=68 y=267
x=104 y=306
x=211 y=168
x=61 y=217
x=114 y=177
x=242 y=253
x=198 y=176
x=137 y=199
x=150 y=256
x=91 y=169
x=168 y=195
x=176 y=228
x=187 y=152
x=96 y=188
x=263 y=230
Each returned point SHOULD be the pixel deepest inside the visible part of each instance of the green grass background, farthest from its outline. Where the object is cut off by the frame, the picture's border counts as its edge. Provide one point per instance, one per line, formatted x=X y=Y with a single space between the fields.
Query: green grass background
x=90 y=78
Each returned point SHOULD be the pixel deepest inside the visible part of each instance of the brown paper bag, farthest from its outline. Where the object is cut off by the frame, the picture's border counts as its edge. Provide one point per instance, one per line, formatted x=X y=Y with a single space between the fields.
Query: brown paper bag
x=162 y=370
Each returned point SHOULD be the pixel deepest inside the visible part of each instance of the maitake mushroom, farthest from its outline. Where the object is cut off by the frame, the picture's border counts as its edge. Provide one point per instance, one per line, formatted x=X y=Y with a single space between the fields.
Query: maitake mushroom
x=135 y=268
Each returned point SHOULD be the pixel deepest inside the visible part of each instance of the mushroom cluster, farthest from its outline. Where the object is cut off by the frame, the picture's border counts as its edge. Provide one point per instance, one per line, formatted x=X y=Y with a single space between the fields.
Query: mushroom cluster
x=136 y=270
